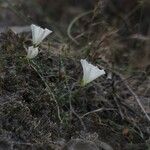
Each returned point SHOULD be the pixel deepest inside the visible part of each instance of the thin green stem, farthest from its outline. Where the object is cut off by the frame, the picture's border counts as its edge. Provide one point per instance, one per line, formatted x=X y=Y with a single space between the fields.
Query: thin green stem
x=48 y=89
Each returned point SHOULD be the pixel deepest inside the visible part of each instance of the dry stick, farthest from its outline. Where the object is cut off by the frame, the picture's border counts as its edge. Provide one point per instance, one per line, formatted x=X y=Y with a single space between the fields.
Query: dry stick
x=132 y=92
x=97 y=110
x=73 y=22
x=50 y=93
x=135 y=96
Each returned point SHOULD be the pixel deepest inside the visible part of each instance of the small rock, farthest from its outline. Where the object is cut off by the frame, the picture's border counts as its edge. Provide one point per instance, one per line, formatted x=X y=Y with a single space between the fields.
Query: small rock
x=79 y=144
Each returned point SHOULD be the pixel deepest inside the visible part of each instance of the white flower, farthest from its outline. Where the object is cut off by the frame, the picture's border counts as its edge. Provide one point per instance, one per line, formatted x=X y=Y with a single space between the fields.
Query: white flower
x=39 y=34
x=90 y=72
x=32 y=52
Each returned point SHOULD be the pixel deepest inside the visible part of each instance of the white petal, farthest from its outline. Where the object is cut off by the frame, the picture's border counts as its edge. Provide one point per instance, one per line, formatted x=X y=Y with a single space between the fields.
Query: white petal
x=32 y=52
x=45 y=33
x=90 y=72
x=35 y=30
x=38 y=31
x=39 y=34
x=86 y=68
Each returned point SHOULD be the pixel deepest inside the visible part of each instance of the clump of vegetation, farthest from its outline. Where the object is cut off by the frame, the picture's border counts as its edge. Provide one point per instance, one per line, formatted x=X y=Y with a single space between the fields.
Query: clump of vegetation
x=43 y=103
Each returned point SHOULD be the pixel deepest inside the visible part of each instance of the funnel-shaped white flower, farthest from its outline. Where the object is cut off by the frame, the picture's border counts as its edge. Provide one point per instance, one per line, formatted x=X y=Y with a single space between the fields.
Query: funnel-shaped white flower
x=90 y=72
x=32 y=52
x=39 y=34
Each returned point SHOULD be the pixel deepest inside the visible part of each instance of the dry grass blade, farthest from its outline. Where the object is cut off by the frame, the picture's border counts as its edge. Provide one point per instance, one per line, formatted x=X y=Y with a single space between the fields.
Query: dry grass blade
x=73 y=22
x=97 y=110
x=135 y=96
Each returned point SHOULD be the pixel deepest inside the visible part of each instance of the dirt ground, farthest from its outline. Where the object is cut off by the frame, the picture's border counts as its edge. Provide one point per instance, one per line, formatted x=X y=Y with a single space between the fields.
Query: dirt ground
x=43 y=106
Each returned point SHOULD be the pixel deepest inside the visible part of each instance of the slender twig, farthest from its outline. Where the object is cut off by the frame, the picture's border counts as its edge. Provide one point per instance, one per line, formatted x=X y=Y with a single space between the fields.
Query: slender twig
x=48 y=89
